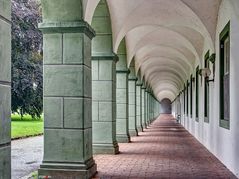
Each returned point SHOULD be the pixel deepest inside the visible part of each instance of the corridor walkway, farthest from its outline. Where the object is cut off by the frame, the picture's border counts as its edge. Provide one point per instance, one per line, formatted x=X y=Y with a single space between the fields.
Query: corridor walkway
x=164 y=150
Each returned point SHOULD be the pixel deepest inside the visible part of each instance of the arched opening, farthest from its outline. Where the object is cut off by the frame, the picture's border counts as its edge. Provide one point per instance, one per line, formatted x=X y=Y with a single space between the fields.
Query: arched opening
x=166 y=106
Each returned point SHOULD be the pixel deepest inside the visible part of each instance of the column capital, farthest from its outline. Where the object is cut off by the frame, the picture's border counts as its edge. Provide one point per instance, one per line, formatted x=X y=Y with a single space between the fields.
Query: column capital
x=123 y=71
x=143 y=86
x=139 y=83
x=133 y=78
x=111 y=56
x=67 y=27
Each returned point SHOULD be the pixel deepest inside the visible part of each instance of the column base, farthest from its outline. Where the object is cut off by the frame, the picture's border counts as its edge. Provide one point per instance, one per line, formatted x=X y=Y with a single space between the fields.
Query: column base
x=145 y=126
x=140 y=129
x=5 y=161
x=68 y=170
x=106 y=148
x=133 y=132
x=123 y=138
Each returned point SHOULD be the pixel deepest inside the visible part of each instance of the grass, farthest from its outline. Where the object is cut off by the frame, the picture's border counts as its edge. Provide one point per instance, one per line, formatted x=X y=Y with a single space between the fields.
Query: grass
x=26 y=126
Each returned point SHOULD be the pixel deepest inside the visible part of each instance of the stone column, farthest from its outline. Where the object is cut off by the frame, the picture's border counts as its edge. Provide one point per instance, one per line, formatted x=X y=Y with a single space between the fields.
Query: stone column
x=103 y=83
x=104 y=104
x=5 y=89
x=139 y=106
x=122 y=125
x=122 y=114
x=132 y=102
x=147 y=101
x=146 y=106
x=151 y=108
x=67 y=92
x=143 y=107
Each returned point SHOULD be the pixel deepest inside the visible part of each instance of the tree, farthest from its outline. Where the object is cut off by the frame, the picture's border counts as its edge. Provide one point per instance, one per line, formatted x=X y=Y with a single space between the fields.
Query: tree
x=26 y=58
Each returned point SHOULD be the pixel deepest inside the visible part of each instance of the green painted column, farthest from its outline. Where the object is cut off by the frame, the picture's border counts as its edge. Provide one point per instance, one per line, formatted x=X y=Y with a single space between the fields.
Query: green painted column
x=67 y=91
x=143 y=107
x=122 y=114
x=103 y=83
x=147 y=102
x=139 y=106
x=104 y=104
x=146 y=106
x=5 y=89
x=151 y=108
x=132 y=102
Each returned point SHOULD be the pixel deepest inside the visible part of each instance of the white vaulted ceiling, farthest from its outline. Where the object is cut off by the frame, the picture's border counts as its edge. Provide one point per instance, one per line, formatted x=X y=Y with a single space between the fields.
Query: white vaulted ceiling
x=165 y=38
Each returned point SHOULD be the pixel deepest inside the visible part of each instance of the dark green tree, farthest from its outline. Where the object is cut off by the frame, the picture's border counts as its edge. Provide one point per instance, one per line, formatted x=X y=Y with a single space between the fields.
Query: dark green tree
x=26 y=58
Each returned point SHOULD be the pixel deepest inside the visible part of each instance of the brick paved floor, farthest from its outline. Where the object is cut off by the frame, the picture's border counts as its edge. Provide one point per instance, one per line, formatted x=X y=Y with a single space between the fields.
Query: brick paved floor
x=164 y=150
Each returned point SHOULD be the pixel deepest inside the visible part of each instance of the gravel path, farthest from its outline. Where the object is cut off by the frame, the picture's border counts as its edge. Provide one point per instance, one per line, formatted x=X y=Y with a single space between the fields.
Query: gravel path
x=26 y=156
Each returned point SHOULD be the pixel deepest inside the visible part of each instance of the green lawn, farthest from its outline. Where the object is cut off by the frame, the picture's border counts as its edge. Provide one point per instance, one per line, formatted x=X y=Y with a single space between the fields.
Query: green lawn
x=25 y=127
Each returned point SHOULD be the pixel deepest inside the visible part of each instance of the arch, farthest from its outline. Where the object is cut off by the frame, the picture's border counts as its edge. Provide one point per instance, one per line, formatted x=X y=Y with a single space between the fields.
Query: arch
x=182 y=22
x=162 y=61
x=166 y=106
x=165 y=86
x=164 y=75
x=163 y=37
x=156 y=71
x=165 y=94
x=101 y=23
x=89 y=9
x=157 y=79
x=162 y=51
x=165 y=13
x=159 y=82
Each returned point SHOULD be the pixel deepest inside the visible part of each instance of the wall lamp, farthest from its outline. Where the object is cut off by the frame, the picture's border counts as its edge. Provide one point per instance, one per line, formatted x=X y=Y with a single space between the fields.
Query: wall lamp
x=193 y=79
x=212 y=59
x=206 y=72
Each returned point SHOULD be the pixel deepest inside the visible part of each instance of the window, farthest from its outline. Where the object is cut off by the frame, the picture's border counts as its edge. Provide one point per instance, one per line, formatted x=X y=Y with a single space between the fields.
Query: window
x=187 y=98
x=206 y=90
x=225 y=77
x=197 y=93
x=191 y=96
x=184 y=100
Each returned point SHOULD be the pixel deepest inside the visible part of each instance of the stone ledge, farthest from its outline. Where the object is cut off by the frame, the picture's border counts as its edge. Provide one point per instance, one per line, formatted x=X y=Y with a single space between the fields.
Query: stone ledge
x=67 y=27
x=103 y=56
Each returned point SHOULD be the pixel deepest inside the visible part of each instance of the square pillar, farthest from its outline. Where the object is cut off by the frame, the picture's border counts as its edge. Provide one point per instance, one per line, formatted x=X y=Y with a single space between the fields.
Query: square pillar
x=5 y=89
x=132 y=106
x=104 y=104
x=122 y=125
x=150 y=108
x=139 y=106
x=146 y=106
x=147 y=94
x=143 y=107
x=67 y=100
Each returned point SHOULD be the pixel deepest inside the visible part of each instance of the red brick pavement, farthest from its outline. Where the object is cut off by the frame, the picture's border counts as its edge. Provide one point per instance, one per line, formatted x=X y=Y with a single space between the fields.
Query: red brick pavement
x=164 y=150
